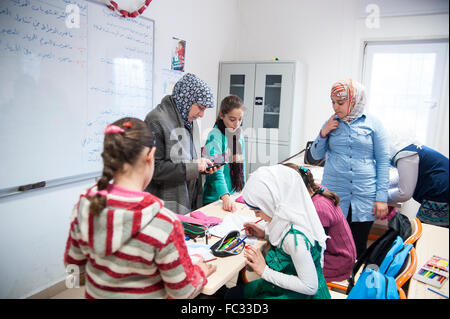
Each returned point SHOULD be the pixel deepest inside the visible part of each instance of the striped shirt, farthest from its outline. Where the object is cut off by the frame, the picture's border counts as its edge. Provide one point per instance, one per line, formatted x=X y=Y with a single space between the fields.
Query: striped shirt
x=134 y=248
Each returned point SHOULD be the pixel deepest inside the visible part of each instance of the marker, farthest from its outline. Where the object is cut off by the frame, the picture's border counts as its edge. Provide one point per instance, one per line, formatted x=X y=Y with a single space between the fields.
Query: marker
x=437 y=292
x=229 y=240
x=239 y=243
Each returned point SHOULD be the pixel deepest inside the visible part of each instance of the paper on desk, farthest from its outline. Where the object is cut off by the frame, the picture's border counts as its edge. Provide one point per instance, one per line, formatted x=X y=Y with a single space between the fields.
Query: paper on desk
x=232 y=222
x=196 y=251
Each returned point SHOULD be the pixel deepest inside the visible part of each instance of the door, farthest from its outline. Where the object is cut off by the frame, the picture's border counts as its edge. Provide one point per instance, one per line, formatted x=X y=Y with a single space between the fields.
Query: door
x=272 y=112
x=239 y=79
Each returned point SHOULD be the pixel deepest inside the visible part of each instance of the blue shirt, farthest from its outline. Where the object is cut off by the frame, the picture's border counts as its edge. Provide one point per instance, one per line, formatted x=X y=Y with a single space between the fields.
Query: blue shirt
x=357 y=165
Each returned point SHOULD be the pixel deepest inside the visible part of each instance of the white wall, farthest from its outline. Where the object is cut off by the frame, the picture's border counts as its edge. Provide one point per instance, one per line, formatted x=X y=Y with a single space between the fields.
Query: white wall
x=327 y=36
x=34 y=226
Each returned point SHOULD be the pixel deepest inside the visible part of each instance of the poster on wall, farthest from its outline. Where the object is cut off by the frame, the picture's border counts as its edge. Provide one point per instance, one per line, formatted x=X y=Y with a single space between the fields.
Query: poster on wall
x=178 y=54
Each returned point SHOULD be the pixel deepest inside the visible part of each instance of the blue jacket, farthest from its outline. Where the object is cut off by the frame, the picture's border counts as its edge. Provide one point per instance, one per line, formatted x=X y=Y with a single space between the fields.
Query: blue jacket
x=432 y=180
x=357 y=166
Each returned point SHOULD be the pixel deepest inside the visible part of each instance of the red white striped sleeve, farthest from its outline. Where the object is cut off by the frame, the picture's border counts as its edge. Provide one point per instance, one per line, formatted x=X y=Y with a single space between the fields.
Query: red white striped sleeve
x=181 y=278
x=73 y=254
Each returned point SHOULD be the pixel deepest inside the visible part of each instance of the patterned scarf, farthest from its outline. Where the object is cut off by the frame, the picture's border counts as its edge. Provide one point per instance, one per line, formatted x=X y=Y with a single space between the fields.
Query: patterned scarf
x=353 y=92
x=191 y=90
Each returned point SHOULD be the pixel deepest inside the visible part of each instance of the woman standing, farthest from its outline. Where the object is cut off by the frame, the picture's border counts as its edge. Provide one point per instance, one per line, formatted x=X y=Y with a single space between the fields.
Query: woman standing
x=357 y=166
x=177 y=160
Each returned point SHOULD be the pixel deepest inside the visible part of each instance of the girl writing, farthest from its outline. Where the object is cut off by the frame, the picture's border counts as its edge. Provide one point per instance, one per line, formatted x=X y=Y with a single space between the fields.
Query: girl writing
x=293 y=266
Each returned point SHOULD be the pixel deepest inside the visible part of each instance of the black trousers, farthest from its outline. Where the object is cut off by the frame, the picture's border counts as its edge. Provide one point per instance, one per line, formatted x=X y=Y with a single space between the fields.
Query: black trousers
x=360 y=233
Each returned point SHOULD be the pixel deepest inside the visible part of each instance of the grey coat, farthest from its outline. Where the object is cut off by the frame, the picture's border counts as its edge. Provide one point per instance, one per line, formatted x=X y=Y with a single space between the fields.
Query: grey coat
x=176 y=179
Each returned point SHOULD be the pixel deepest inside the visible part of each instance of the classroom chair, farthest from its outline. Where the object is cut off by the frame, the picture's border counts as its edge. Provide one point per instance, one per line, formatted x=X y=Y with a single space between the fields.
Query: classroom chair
x=405 y=275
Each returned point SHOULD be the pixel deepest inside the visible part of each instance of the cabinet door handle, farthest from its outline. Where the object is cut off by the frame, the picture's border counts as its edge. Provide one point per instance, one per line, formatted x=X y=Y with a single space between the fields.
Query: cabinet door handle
x=258 y=100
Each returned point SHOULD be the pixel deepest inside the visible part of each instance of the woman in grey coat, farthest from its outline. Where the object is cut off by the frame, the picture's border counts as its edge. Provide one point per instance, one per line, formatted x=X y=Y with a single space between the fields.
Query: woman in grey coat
x=178 y=161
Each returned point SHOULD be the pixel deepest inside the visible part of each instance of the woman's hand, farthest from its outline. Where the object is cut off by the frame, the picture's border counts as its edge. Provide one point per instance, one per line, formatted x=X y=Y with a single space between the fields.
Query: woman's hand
x=207 y=269
x=254 y=230
x=380 y=209
x=329 y=126
x=203 y=164
x=228 y=204
x=255 y=259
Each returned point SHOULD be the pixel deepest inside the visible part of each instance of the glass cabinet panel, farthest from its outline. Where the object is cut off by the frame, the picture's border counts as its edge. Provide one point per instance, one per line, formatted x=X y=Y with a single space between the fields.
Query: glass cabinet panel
x=272 y=101
x=237 y=85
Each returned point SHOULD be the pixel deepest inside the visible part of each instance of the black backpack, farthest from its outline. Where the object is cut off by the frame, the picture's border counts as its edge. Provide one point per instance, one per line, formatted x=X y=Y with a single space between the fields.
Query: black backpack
x=399 y=225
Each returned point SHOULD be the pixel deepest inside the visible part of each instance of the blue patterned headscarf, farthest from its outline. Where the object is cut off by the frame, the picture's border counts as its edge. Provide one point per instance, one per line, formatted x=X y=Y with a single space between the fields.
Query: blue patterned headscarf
x=191 y=90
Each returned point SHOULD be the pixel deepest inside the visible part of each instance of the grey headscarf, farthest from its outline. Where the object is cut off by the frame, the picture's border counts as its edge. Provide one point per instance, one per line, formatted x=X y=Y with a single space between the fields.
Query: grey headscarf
x=191 y=90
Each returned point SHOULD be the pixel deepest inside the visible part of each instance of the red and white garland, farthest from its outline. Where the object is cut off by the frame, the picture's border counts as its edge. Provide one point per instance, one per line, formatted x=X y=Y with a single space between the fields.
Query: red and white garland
x=126 y=14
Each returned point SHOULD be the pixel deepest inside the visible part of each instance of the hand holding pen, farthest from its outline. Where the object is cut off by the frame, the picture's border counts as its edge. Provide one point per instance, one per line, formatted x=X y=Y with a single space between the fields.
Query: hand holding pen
x=254 y=230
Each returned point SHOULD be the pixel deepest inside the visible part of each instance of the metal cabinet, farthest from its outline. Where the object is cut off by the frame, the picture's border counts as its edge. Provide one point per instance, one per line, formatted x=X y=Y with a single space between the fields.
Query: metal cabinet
x=273 y=97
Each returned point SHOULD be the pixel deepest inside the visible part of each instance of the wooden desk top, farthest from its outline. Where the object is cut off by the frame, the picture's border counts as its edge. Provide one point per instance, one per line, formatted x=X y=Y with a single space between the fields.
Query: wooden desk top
x=434 y=241
x=227 y=267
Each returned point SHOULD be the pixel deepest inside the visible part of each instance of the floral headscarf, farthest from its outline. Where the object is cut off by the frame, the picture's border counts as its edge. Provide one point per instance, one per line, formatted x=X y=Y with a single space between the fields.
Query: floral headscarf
x=191 y=90
x=355 y=93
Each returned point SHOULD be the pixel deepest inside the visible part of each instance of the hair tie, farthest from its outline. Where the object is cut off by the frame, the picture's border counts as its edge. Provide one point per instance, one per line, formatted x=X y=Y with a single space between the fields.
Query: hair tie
x=322 y=189
x=112 y=129
x=303 y=169
x=126 y=124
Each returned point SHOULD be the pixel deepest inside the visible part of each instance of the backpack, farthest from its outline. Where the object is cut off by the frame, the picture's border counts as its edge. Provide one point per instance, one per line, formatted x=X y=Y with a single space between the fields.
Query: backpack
x=309 y=159
x=381 y=251
x=379 y=283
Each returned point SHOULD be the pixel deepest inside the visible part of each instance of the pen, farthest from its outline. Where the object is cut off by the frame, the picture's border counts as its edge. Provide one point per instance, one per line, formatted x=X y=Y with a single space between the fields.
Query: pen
x=255 y=223
x=207 y=261
x=437 y=292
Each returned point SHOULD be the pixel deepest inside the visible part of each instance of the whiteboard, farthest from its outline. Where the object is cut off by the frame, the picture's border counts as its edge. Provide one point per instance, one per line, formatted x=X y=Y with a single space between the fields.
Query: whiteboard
x=61 y=83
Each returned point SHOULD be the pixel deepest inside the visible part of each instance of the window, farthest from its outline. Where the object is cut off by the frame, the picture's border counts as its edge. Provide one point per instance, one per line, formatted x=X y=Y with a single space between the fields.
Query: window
x=404 y=82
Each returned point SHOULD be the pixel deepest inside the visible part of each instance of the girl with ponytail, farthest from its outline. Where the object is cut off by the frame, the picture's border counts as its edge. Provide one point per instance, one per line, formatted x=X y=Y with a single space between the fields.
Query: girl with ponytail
x=340 y=253
x=122 y=239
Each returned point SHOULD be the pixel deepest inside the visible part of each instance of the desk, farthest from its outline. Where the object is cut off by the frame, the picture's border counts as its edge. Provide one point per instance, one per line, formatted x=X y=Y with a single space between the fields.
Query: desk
x=227 y=267
x=434 y=241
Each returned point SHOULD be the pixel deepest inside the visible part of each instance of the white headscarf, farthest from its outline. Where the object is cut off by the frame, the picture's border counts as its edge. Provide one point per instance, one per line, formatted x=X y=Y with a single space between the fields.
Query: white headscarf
x=353 y=91
x=280 y=193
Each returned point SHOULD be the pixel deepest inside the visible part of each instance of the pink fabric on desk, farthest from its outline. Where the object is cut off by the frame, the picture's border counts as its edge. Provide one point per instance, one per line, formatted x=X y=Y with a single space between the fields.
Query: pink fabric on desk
x=200 y=218
x=240 y=199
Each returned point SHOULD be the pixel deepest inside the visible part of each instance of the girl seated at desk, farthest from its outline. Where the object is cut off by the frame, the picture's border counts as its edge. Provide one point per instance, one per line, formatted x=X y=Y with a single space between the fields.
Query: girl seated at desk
x=292 y=268
x=226 y=138
x=340 y=255
x=129 y=245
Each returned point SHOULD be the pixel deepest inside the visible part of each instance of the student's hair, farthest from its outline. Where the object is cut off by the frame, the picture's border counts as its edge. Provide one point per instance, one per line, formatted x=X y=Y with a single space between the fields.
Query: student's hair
x=227 y=105
x=308 y=179
x=120 y=148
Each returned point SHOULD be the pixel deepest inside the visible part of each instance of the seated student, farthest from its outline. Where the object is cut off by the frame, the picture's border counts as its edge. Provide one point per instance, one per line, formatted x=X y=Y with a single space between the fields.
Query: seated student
x=126 y=242
x=340 y=255
x=293 y=266
x=226 y=140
